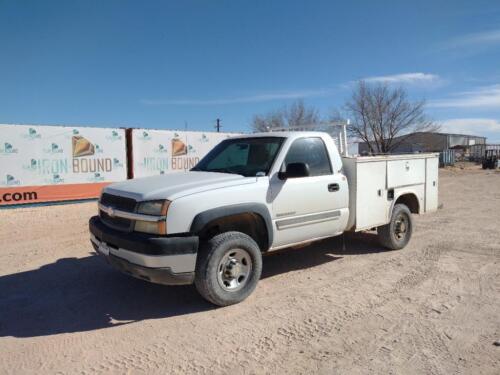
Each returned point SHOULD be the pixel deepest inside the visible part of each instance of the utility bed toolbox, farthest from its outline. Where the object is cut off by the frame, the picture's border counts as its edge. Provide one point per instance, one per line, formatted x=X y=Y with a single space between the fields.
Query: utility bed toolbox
x=375 y=182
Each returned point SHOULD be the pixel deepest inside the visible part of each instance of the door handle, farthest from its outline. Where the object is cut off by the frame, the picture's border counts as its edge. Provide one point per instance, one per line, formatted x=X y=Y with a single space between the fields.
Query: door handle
x=333 y=187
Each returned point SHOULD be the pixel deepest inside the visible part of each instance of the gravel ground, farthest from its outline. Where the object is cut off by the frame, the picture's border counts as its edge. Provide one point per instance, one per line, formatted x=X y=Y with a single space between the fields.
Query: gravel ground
x=432 y=308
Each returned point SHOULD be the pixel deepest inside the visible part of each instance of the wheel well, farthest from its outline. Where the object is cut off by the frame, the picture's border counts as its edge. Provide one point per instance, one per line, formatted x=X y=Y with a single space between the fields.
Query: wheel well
x=409 y=200
x=249 y=223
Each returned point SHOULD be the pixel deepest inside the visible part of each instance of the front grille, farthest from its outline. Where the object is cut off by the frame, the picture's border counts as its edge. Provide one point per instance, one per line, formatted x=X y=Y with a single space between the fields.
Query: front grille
x=120 y=203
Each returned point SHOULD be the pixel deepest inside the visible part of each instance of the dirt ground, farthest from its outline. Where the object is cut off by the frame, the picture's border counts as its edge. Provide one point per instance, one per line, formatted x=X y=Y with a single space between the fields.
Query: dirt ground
x=432 y=308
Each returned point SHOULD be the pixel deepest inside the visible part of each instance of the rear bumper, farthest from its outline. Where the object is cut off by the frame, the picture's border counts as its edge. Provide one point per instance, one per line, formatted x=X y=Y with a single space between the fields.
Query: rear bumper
x=161 y=260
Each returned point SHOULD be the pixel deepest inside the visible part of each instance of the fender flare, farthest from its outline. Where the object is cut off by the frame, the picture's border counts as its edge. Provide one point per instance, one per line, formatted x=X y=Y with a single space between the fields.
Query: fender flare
x=205 y=217
x=405 y=192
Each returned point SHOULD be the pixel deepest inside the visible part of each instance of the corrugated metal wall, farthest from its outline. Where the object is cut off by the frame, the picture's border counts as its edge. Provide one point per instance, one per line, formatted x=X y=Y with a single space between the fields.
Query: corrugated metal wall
x=446 y=158
x=477 y=151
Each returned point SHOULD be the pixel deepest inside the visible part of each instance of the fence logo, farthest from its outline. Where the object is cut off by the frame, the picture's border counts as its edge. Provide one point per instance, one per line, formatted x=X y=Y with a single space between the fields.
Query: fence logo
x=31 y=166
x=11 y=180
x=204 y=138
x=32 y=134
x=98 y=149
x=160 y=149
x=48 y=166
x=115 y=136
x=72 y=133
x=19 y=196
x=178 y=147
x=82 y=146
x=8 y=149
x=117 y=163
x=96 y=177
x=191 y=149
x=55 y=179
x=155 y=164
x=144 y=136
x=53 y=149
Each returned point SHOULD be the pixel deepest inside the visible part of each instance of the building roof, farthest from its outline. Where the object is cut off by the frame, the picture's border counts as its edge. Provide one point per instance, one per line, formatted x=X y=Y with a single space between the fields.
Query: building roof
x=453 y=134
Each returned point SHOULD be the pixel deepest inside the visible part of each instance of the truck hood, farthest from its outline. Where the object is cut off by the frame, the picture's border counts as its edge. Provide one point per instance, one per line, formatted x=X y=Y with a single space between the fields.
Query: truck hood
x=175 y=185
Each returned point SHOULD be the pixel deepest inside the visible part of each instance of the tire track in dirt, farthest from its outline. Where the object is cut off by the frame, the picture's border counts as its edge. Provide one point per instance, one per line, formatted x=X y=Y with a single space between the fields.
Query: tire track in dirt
x=431 y=308
x=295 y=330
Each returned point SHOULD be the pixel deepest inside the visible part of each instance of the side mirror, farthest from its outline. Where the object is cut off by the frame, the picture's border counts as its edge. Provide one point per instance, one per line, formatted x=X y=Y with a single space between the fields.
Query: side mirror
x=294 y=170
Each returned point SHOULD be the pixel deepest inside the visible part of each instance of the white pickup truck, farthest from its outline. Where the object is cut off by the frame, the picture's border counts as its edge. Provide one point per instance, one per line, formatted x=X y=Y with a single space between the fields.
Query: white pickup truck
x=249 y=196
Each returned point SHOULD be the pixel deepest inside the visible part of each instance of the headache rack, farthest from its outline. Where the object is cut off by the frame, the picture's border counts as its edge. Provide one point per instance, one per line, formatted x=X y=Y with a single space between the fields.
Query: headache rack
x=337 y=130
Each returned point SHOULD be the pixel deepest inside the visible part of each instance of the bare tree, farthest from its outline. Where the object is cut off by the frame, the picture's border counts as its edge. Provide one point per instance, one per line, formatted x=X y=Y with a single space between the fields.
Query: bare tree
x=300 y=117
x=382 y=116
x=269 y=121
x=297 y=116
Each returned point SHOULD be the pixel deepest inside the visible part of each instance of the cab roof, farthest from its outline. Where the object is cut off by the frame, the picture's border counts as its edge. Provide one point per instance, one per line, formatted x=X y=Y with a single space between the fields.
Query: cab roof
x=283 y=134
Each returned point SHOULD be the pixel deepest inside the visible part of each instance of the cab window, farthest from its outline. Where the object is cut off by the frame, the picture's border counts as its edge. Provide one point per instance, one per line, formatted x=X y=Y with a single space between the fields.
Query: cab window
x=311 y=151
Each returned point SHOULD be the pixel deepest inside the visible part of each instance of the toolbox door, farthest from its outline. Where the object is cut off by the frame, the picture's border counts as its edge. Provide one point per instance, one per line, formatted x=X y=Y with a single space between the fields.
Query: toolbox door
x=431 y=184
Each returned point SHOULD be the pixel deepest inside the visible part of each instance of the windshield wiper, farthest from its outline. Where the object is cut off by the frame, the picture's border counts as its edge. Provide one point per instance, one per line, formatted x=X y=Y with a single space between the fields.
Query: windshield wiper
x=222 y=170
x=217 y=170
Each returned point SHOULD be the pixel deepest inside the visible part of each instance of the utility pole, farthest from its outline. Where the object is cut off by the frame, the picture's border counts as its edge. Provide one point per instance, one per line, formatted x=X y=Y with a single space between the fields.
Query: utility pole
x=218 y=126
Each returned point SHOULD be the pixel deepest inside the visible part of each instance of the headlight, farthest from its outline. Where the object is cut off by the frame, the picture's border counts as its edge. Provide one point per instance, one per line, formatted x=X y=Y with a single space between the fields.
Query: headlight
x=153 y=208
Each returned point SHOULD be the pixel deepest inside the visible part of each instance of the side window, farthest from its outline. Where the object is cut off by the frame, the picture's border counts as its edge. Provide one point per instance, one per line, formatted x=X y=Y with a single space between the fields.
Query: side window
x=311 y=151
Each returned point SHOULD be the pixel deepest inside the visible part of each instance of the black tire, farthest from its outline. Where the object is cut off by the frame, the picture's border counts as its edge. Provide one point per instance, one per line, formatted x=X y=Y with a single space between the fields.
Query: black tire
x=391 y=235
x=208 y=277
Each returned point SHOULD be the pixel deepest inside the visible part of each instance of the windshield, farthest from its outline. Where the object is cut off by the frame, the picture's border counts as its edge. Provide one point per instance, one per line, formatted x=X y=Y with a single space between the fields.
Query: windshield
x=244 y=156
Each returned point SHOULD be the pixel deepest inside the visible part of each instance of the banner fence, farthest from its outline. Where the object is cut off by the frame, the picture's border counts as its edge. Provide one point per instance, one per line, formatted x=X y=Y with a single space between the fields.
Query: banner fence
x=164 y=151
x=57 y=163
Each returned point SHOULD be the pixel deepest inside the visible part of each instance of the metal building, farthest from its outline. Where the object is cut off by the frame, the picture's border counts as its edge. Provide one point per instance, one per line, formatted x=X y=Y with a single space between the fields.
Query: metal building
x=432 y=142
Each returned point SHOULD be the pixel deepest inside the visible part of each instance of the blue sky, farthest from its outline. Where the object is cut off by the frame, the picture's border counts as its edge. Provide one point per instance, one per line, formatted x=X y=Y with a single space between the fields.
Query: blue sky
x=161 y=64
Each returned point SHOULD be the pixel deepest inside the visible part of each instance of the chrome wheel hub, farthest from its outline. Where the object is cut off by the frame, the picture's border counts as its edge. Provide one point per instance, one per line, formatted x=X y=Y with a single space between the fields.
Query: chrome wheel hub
x=401 y=227
x=234 y=270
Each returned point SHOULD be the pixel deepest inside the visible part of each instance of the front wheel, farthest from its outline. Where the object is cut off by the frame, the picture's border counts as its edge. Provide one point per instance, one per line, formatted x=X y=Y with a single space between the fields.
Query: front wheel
x=397 y=233
x=228 y=268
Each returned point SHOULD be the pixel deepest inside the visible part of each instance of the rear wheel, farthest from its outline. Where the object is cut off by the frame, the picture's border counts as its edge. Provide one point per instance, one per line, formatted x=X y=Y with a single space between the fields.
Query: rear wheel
x=397 y=233
x=228 y=268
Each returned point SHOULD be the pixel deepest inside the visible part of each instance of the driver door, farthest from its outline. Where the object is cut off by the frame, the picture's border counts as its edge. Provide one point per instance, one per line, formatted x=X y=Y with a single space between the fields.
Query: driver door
x=309 y=207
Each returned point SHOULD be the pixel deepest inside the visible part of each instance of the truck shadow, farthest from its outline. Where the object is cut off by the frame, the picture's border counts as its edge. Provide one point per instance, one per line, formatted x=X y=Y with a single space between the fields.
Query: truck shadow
x=83 y=294
x=74 y=295
x=320 y=252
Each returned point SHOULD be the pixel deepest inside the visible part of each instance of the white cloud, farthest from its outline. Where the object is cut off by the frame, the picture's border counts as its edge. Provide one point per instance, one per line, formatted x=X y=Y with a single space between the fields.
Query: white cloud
x=265 y=97
x=482 y=97
x=475 y=39
x=475 y=126
x=406 y=78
